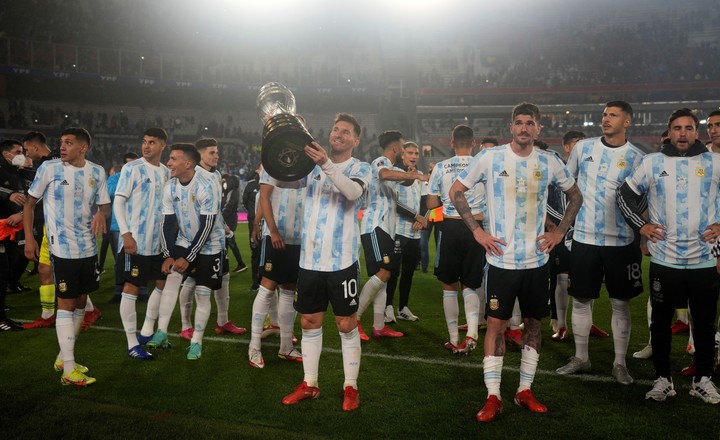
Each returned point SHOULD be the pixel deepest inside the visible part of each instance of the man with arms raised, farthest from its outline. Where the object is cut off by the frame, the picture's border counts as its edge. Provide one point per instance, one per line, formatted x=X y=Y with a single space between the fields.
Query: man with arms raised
x=382 y=254
x=329 y=251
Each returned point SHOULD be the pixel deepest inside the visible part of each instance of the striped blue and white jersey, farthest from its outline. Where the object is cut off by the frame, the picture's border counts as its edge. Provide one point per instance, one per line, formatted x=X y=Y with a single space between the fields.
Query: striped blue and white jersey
x=69 y=194
x=287 y=209
x=682 y=195
x=442 y=178
x=516 y=191
x=330 y=234
x=188 y=203
x=599 y=171
x=408 y=196
x=216 y=178
x=141 y=184
x=380 y=209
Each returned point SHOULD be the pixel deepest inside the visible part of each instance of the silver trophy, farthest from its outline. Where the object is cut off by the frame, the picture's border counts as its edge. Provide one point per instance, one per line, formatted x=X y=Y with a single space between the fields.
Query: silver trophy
x=284 y=134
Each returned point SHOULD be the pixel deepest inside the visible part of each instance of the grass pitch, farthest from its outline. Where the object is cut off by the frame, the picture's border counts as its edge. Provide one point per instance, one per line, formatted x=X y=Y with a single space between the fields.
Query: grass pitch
x=409 y=387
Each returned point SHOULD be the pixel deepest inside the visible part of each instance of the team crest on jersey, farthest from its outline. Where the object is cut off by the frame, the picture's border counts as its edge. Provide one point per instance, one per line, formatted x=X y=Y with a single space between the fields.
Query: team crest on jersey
x=135 y=272
x=700 y=172
x=268 y=266
x=494 y=304
x=537 y=174
x=622 y=164
x=91 y=182
x=386 y=259
x=62 y=286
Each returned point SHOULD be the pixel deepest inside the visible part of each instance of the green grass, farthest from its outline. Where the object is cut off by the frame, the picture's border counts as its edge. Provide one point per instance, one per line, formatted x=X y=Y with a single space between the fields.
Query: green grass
x=409 y=388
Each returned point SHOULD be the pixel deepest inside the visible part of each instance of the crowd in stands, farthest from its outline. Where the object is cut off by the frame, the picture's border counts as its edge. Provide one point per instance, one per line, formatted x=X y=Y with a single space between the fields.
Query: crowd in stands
x=649 y=48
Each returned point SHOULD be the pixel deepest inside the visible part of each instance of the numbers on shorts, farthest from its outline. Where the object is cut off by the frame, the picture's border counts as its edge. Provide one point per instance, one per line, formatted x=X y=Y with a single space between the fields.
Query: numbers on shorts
x=634 y=272
x=350 y=288
x=216 y=266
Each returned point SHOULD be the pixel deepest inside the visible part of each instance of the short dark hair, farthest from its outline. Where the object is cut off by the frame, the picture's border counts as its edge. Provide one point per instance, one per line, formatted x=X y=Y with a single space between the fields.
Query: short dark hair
x=203 y=143
x=79 y=132
x=157 y=132
x=347 y=117
x=388 y=137
x=131 y=155
x=35 y=136
x=188 y=149
x=572 y=135
x=490 y=140
x=714 y=113
x=9 y=144
x=682 y=112
x=526 y=108
x=462 y=134
x=622 y=105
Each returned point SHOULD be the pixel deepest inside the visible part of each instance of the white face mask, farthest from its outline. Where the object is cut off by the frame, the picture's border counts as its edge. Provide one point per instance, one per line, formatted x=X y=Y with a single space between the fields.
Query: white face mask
x=18 y=160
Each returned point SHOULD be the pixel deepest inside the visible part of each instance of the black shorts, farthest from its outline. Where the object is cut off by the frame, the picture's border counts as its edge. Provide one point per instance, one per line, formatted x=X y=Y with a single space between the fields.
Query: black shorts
x=139 y=269
x=673 y=285
x=529 y=286
x=206 y=270
x=316 y=289
x=279 y=265
x=619 y=265
x=381 y=251
x=459 y=257
x=560 y=258
x=75 y=277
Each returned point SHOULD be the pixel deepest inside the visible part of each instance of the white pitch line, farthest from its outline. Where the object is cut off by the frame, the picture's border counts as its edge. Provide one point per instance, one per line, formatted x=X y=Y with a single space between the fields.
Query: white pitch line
x=419 y=360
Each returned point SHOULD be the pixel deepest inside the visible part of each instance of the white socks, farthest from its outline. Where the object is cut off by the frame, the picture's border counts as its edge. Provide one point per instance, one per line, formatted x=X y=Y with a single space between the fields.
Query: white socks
x=492 y=372
x=561 y=299
x=621 y=324
x=65 y=331
x=286 y=319
x=368 y=293
x=260 y=307
x=452 y=311
x=581 y=323
x=202 y=312
x=186 y=301
x=128 y=315
x=379 y=308
x=472 y=311
x=168 y=300
x=151 y=312
x=351 y=350
x=528 y=366
x=311 y=348
x=222 y=299
x=516 y=318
